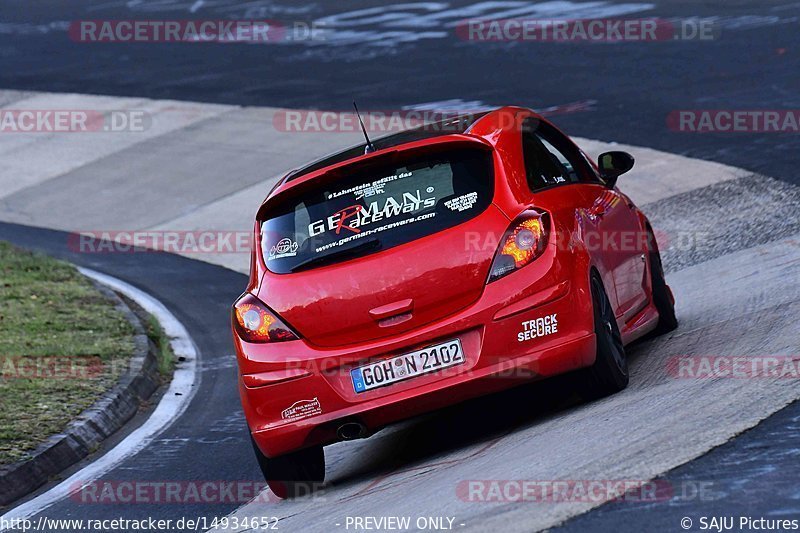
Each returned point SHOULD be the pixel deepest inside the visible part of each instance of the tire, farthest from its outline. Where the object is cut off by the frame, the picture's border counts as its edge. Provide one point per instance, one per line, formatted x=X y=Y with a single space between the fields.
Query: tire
x=609 y=373
x=662 y=296
x=294 y=474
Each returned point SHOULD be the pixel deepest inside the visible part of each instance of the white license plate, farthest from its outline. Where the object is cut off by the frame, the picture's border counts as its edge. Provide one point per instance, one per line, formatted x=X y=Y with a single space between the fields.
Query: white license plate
x=407 y=366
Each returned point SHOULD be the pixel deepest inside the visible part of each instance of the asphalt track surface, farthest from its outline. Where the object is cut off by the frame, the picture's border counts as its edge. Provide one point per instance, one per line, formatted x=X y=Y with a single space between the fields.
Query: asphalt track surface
x=393 y=56
x=635 y=87
x=412 y=469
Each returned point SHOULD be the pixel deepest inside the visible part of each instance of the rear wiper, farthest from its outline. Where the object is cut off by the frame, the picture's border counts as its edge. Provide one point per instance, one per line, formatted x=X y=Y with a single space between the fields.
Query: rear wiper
x=371 y=244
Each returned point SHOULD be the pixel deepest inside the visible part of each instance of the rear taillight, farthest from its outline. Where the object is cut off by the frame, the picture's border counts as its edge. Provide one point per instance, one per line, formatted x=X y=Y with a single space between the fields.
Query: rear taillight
x=524 y=241
x=254 y=322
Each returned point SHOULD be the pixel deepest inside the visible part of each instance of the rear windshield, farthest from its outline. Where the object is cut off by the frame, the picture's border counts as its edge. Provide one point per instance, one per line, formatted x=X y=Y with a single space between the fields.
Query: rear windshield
x=378 y=208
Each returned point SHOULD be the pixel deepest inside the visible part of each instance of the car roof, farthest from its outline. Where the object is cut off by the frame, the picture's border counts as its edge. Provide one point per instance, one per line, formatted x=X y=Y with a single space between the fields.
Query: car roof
x=448 y=126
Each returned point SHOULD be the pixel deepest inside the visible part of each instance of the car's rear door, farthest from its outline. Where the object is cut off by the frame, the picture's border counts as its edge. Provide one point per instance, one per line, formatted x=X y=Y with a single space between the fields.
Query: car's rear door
x=613 y=224
x=619 y=241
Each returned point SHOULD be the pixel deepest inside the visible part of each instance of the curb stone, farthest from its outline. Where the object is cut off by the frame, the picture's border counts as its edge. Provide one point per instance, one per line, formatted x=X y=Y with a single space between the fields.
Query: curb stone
x=89 y=429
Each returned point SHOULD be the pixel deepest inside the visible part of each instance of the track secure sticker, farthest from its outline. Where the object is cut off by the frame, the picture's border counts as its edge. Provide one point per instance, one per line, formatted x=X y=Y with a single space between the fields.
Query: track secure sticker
x=284 y=248
x=539 y=327
x=302 y=409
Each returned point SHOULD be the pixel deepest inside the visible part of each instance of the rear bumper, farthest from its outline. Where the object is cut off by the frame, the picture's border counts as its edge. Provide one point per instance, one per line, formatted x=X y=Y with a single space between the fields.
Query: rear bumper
x=375 y=414
x=296 y=395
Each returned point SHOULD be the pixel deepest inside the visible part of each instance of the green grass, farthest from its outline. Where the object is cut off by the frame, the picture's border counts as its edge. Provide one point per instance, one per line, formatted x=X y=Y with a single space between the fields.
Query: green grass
x=166 y=359
x=47 y=310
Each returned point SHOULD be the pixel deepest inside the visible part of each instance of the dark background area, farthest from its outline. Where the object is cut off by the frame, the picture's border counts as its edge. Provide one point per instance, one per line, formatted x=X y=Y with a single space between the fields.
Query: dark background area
x=392 y=57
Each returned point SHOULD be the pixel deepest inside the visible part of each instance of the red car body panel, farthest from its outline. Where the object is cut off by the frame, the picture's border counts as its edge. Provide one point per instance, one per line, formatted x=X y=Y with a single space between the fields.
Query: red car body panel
x=350 y=291
x=438 y=286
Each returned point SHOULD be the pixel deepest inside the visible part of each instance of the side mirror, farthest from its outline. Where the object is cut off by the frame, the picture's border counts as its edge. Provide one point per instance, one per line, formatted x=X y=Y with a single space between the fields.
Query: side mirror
x=613 y=165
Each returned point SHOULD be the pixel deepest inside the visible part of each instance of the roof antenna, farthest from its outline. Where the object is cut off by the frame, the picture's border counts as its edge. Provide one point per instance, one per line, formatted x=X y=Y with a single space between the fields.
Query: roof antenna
x=370 y=147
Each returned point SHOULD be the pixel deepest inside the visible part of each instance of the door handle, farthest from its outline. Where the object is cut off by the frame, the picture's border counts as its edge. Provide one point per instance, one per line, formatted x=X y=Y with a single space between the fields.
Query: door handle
x=393 y=309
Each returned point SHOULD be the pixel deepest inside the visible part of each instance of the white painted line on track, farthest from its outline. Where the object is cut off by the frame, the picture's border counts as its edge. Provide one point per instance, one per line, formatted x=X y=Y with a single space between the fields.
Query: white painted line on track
x=174 y=402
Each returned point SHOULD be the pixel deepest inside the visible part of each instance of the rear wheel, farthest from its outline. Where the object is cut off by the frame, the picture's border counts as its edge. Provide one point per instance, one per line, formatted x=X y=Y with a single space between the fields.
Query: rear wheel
x=662 y=297
x=609 y=373
x=294 y=474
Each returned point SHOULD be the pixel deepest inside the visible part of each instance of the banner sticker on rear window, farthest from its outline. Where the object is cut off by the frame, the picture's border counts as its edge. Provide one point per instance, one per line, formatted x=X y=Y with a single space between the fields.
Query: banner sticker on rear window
x=365 y=190
x=366 y=210
x=463 y=202
x=372 y=190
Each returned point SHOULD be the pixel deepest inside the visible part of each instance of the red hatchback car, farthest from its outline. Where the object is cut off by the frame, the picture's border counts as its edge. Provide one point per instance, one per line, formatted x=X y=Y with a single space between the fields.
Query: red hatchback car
x=432 y=266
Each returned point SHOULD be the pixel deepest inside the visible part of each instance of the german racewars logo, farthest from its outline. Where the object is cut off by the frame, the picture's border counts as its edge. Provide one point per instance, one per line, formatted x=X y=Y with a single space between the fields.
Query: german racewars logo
x=379 y=229
x=284 y=248
x=353 y=218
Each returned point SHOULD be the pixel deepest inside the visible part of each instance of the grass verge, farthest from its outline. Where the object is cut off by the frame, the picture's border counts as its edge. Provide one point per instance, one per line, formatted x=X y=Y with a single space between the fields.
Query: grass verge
x=62 y=345
x=166 y=359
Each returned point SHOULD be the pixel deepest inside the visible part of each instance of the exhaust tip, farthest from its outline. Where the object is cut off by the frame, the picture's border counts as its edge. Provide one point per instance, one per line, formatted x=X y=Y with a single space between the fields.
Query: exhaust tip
x=351 y=430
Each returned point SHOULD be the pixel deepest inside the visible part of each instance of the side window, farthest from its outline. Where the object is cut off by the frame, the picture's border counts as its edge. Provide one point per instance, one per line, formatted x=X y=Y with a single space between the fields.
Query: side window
x=567 y=169
x=550 y=158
